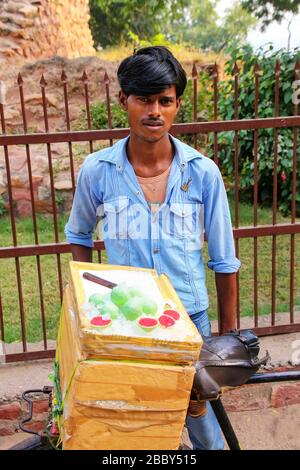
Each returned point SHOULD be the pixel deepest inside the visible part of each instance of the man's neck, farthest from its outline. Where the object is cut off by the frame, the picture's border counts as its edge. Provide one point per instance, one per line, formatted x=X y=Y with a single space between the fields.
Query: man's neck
x=149 y=158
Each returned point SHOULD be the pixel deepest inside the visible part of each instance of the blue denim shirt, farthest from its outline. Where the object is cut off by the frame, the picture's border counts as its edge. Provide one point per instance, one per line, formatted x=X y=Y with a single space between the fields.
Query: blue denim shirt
x=169 y=240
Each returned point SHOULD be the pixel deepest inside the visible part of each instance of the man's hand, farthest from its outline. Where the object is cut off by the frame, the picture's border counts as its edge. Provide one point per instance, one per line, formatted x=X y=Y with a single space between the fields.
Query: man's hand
x=82 y=253
x=227 y=297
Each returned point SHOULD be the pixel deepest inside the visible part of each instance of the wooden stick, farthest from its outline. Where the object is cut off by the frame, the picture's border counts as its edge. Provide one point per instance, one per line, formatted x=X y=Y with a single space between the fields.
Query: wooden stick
x=98 y=280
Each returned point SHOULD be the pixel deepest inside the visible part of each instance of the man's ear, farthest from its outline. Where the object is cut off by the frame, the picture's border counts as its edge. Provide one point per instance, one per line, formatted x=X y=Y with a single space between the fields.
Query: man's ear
x=123 y=100
x=178 y=103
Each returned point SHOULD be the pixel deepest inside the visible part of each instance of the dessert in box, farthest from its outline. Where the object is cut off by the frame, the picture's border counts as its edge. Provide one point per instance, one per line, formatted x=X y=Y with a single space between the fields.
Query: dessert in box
x=128 y=312
x=117 y=404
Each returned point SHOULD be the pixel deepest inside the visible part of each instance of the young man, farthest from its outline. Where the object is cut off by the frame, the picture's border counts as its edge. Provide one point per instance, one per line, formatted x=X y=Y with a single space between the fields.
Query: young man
x=155 y=196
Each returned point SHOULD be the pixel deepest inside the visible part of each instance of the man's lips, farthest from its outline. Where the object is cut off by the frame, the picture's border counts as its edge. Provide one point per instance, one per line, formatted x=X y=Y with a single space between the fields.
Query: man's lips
x=151 y=123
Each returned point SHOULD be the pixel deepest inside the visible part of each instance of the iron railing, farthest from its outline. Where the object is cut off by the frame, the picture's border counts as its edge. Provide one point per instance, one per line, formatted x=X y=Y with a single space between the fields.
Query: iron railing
x=59 y=247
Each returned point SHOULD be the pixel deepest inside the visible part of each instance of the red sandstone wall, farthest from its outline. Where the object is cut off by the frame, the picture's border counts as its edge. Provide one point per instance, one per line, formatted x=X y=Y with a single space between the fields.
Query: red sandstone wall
x=41 y=29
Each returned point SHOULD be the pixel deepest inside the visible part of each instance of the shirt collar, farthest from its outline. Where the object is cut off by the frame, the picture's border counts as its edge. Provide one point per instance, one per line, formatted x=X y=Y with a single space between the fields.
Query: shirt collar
x=118 y=155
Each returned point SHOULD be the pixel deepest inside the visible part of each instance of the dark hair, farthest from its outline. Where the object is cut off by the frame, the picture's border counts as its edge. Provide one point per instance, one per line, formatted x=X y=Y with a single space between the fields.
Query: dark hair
x=151 y=70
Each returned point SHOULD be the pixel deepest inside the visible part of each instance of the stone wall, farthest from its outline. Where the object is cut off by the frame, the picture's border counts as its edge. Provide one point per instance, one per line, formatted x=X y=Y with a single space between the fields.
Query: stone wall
x=42 y=29
x=12 y=412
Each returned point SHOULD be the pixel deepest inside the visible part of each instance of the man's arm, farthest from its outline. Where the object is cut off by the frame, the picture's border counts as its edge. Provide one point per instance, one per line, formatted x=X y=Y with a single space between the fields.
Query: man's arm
x=83 y=217
x=221 y=249
x=227 y=297
x=82 y=253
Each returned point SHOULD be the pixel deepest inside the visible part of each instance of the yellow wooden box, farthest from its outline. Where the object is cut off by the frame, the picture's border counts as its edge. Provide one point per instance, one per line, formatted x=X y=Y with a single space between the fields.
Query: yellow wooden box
x=124 y=339
x=118 y=404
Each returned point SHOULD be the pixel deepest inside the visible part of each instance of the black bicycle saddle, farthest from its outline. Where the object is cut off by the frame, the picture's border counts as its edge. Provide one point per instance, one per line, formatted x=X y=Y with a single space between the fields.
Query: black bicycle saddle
x=225 y=361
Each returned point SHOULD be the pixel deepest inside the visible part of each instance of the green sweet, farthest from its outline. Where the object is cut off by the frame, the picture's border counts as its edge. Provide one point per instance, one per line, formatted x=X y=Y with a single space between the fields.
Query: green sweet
x=134 y=292
x=110 y=309
x=133 y=308
x=120 y=294
x=149 y=306
x=107 y=297
x=97 y=299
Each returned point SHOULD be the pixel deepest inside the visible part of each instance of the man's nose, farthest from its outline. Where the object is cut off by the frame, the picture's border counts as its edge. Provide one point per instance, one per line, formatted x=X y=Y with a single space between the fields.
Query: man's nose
x=154 y=108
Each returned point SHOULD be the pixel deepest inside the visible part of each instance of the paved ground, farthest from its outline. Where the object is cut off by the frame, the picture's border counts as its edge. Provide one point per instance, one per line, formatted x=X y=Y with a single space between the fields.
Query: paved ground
x=268 y=429
x=15 y=378
x=272 y=428
x=259 y=429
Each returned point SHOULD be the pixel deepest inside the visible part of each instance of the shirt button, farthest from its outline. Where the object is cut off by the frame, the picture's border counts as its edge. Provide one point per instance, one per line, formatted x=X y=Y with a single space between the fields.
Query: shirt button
x=156 y=250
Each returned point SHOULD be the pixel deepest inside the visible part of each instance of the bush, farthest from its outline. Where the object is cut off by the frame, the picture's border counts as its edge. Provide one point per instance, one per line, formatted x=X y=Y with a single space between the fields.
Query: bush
x=246 y=61
x=3 y=207
x=204 y=107
x=99 y=116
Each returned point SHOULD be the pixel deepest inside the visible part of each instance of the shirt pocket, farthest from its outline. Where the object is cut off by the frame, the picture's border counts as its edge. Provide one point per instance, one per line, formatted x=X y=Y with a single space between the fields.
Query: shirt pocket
x=182 y=220
x=187 y=222
x=115 y=218
x=115 y=230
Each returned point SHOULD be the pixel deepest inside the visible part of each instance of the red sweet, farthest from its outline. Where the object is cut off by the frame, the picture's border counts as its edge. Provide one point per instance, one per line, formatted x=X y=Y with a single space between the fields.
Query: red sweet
x=100 y=322
x=147 y=323
x=172 y=313
x=166 y=321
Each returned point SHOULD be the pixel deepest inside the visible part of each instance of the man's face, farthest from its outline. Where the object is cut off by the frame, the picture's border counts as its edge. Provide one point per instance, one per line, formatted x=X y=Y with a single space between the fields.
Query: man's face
x=150 y=117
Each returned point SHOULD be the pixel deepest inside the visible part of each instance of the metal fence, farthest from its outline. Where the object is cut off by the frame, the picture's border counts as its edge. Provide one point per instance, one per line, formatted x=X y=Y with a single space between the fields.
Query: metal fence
x=58 y=248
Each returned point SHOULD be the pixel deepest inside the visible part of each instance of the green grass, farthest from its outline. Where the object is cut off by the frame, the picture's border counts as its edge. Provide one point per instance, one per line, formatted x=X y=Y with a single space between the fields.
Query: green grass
x=246 y=275
x=49 y=269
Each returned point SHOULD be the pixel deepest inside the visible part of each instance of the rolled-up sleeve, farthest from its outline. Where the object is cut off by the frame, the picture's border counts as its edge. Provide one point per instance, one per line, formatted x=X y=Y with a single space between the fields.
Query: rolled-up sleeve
x=218 y=228
x=83 y=217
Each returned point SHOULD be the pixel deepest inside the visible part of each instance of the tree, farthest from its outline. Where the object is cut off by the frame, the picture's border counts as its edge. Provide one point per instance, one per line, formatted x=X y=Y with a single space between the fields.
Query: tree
x=198 y=25
x=271 y=10
x=236 y=25
x=202 y=27
x=191 y=21
x=112 y=20
x=105 y=30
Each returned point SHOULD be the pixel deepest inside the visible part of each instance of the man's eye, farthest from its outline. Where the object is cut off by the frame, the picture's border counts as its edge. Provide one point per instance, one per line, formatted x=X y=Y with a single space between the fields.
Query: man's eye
x=166 y=101
x=143 y=99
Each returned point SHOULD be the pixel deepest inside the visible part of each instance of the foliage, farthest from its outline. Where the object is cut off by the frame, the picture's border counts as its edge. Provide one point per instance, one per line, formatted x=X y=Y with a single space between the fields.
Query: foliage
x=161 y=22
x=207 y=30
x=235 y=26
x=105 y=30
x=271 y=10
x=204 y=104
x=246 y=61
x=202 y=20
x=3 y=208
x=99 y=116
x=157 y=40
x=113 y=20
